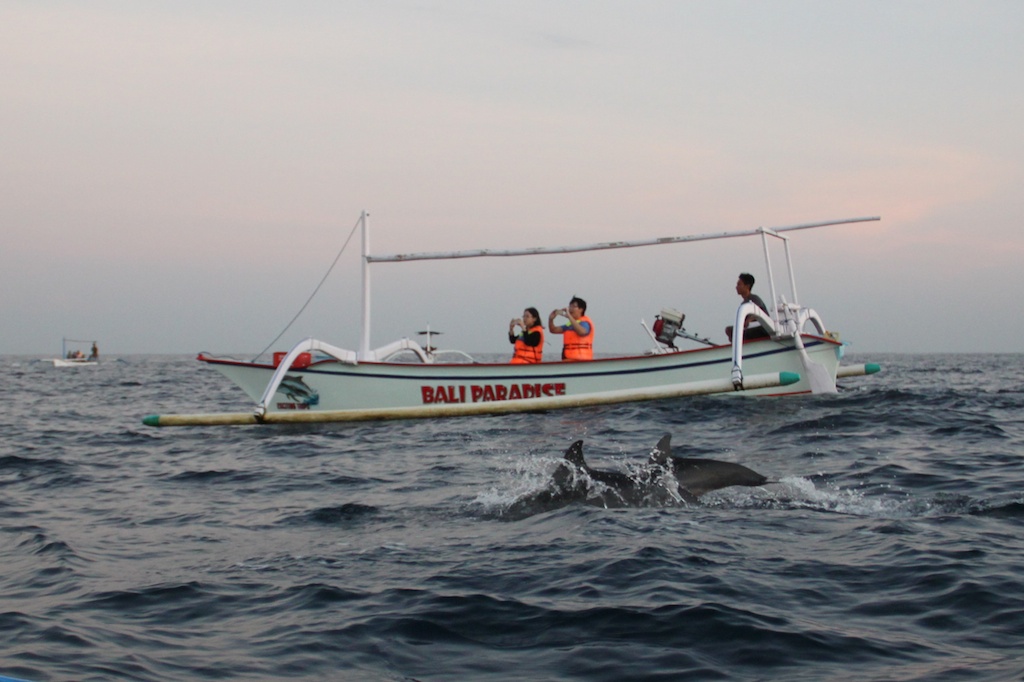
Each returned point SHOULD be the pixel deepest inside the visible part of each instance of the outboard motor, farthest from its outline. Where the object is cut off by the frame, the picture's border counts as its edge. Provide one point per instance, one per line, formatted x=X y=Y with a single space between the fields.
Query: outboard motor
x=667 y=324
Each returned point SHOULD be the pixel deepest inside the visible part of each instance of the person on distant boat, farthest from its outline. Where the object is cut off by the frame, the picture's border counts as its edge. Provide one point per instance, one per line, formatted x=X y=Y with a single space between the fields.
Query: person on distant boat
x=577 y=334
x=95 y=355
x=743 y=286
x=529 y=341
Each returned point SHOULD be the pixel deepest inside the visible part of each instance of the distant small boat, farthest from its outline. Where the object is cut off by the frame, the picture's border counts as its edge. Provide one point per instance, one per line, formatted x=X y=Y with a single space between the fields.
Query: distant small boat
x=76 y=357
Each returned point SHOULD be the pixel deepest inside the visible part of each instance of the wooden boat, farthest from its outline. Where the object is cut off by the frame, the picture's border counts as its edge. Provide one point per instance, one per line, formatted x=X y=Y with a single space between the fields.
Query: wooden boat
x=318 y=382
x=76 y=357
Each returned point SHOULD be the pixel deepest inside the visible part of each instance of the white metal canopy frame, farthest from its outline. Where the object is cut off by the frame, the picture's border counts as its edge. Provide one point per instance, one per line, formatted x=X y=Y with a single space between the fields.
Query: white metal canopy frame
x=366 y=384
x=765 y=232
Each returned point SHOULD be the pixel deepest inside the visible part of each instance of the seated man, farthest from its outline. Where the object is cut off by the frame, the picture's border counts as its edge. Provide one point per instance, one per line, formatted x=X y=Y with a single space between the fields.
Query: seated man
x=743 y=286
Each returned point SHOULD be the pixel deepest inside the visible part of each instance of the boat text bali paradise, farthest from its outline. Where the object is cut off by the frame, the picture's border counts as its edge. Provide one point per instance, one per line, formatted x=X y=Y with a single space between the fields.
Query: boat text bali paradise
x=488 y=392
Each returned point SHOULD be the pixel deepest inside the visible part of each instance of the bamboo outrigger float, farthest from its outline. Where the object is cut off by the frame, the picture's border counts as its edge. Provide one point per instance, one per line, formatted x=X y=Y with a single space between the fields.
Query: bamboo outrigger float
x=318 y=382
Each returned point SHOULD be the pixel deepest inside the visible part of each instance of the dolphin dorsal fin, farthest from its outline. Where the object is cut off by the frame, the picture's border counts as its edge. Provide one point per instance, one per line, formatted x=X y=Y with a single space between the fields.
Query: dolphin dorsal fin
x=662 y=452
x=574 y=454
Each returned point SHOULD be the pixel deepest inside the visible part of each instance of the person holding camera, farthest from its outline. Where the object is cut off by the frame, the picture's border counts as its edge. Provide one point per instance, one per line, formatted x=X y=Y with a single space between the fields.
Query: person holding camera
x=577 y=334
x=529 y=340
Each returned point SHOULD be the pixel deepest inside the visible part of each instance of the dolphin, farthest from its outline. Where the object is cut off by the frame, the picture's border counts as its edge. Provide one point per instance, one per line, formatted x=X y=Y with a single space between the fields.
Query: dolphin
x=572 y=481
x=297 y=390
x=612 y=489
x=698 y=476
x=653 y=484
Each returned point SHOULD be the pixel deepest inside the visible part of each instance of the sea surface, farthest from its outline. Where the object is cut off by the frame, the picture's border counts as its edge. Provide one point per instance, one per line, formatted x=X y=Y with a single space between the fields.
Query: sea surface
x=888 y=546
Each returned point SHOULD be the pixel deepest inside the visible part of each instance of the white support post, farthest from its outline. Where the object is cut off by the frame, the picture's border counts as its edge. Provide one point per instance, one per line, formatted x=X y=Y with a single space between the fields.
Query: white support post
x=774 y=305
x=364 y=341
x=792 y=276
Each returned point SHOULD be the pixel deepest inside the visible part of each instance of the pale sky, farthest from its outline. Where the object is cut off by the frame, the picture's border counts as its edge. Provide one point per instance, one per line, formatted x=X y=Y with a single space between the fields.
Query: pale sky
x=178 y=176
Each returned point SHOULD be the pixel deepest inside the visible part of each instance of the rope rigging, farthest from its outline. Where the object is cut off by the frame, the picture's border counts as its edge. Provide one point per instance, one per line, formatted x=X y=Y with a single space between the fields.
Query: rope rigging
x=313 y=295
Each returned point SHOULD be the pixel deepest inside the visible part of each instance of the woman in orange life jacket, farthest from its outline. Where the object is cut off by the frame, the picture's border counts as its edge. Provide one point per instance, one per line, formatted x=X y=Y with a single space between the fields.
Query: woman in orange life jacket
x=529 y=342
x=577 y=334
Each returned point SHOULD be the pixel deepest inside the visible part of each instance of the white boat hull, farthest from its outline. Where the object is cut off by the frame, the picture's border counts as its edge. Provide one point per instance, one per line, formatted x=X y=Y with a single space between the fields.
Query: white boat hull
x=58 y=362
x=450 y=389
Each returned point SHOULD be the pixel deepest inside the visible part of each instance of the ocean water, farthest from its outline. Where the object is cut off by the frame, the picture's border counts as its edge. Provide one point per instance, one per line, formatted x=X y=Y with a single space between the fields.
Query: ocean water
x=889 y=545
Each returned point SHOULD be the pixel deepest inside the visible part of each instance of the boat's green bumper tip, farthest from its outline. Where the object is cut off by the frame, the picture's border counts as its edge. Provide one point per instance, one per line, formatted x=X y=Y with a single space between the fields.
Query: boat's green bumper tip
x=151 y=420
x=787 y=378
x=872 y=368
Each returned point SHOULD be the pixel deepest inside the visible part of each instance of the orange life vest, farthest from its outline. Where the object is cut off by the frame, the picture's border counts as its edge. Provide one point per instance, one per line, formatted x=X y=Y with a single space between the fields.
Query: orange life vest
x=528 y=355
x=578 y=347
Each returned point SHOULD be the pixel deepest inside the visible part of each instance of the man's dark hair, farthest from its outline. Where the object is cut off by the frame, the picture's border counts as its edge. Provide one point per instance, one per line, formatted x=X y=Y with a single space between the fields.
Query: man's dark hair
x=580 y=302
x=747 y=279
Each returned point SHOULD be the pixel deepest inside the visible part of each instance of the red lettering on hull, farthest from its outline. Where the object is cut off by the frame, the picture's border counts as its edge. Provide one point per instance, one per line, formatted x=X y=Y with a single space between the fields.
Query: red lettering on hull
x=486 y=393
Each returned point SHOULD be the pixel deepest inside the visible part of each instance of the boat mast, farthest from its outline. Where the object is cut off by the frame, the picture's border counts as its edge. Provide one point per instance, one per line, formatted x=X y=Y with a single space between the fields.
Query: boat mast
x=364 y=342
